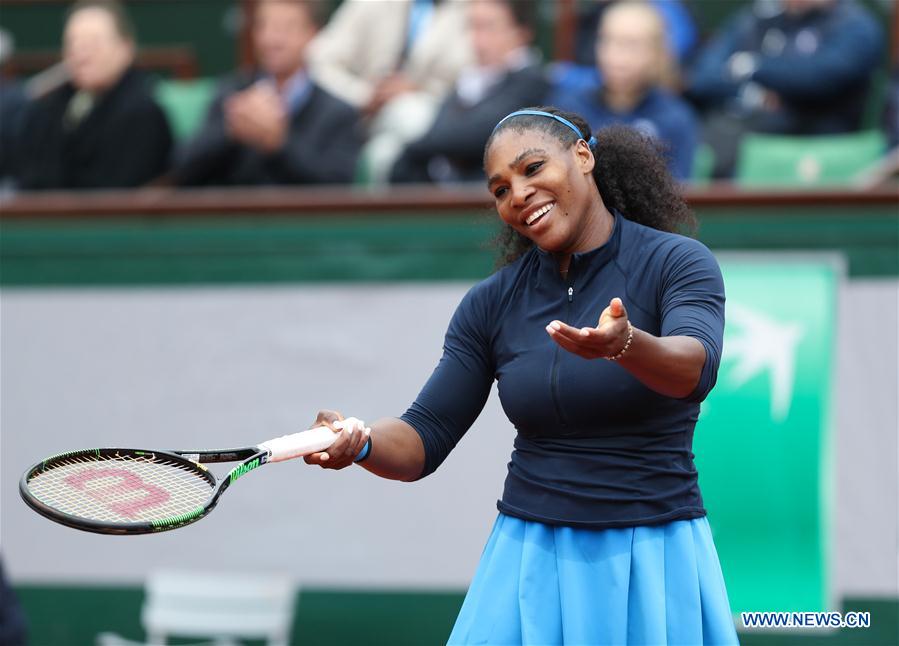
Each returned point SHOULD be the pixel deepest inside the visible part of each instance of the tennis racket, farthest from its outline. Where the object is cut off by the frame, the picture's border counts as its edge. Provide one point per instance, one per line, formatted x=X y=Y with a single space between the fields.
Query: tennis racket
x=137 y=491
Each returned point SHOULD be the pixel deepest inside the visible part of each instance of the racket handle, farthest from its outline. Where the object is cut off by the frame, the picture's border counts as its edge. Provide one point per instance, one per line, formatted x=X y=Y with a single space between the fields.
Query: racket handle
x=294 y=445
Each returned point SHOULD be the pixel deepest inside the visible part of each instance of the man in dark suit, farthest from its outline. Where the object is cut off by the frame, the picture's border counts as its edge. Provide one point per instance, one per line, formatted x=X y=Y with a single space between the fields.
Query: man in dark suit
x=506 y=77
x=102 y=128
x=275 y=126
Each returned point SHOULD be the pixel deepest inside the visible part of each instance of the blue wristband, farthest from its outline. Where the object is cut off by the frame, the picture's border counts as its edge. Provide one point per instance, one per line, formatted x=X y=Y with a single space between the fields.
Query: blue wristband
x=364 y=453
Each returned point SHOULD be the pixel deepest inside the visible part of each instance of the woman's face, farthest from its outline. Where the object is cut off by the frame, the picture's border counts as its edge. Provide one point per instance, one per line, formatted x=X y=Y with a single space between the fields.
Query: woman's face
x=543 y=190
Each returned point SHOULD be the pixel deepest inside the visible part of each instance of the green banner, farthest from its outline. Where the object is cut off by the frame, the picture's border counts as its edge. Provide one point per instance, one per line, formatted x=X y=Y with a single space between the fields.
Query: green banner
x=762 y=439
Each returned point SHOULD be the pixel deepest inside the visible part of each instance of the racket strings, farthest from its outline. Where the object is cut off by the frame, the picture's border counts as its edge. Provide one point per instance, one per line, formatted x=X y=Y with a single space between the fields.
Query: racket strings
x=121 y=488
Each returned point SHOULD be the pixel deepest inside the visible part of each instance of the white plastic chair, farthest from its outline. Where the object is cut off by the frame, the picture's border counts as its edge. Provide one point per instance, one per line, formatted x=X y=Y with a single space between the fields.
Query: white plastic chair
x=221 y=607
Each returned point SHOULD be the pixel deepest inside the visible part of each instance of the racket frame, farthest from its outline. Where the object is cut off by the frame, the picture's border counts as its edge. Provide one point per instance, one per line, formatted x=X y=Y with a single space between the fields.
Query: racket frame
x=250 y=458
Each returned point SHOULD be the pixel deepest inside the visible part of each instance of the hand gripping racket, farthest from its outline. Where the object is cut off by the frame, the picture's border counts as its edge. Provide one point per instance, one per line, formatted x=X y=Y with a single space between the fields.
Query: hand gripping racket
x=132 y=491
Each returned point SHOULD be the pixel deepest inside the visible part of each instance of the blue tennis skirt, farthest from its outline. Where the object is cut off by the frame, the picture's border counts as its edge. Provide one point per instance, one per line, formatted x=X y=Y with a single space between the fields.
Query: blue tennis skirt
x=540 y=584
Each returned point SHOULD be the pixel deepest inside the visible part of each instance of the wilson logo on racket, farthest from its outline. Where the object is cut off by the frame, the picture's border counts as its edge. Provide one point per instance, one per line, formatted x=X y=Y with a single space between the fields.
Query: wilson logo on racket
x=241 y=469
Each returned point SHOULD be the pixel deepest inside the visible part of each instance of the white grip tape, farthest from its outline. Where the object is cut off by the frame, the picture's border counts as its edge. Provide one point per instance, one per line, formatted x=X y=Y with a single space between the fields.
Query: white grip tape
x=294 y=445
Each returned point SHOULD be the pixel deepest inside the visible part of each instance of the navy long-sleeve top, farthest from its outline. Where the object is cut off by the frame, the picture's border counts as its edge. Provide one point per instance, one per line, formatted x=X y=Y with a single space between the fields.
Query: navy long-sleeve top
x=595 y=447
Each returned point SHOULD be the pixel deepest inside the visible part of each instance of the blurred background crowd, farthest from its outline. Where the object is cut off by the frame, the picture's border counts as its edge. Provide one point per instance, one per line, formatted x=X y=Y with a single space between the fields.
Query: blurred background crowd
x=371 y=92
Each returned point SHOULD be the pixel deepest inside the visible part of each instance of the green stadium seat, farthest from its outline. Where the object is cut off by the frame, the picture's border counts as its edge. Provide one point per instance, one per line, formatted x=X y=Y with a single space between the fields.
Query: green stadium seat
x=877 y=99
x=703 y=163
x=774 y=160
x=362 y=172
x=185 y=103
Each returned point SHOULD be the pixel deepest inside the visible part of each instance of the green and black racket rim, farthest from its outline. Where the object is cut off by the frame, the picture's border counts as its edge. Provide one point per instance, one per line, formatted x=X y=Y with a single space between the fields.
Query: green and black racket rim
x=121 y=491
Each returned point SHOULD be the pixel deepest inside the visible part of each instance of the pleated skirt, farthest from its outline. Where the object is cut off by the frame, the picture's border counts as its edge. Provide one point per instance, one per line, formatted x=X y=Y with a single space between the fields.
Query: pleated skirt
x=540 y=584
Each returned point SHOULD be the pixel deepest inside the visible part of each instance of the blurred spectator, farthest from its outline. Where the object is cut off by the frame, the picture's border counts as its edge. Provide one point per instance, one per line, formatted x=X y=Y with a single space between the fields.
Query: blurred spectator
x=13 y=102
x=633 y=58
x=372 y=51
x=804 y=69
x=102 y=128
x=680 y=33
x=275 y=126
x=507 y=75
x=395 y=61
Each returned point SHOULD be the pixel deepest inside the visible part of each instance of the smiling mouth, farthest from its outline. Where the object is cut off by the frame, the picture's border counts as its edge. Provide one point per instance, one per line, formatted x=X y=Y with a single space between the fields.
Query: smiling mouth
x=538 y=214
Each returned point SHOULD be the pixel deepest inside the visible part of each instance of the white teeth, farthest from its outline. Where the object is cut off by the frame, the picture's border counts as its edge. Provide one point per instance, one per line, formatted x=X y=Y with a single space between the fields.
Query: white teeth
x=542 y=211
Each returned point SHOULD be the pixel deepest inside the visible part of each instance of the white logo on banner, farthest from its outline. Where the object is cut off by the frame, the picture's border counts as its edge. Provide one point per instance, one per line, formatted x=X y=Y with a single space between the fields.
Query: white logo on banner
x=763 y=344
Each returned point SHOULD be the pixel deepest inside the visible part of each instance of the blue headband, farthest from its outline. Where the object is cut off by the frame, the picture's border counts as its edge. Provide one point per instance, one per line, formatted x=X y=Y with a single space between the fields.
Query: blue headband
x=540 y=113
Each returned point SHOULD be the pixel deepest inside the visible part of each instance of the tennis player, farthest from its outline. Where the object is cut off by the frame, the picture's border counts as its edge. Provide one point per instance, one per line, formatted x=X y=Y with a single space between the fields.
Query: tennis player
x=604 y=331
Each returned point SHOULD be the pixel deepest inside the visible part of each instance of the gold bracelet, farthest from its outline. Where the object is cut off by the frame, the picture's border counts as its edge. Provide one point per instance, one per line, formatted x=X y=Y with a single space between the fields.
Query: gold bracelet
x=627 y=344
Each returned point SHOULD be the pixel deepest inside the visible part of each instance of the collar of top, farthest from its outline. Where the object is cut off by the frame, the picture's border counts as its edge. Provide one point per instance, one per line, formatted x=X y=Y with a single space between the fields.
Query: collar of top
x=596 y=258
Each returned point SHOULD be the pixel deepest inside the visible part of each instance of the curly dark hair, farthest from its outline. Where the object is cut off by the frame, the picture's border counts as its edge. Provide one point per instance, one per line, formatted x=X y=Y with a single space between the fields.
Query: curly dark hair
x=630 y=173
